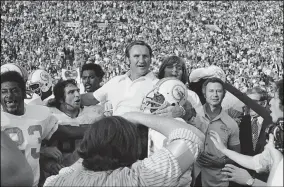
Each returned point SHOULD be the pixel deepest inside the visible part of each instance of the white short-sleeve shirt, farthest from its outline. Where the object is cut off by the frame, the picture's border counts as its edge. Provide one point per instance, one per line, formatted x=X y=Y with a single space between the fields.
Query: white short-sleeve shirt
x=124 y=94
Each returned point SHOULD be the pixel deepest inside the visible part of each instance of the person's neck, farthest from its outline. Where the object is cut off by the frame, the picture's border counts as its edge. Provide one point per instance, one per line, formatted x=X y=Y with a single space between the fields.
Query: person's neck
x=71 y=113
x=134 y=76
x=213 y=111
x=20 y=111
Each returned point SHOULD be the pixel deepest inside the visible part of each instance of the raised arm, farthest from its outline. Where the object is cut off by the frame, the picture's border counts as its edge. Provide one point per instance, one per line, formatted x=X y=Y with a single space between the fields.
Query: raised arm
x=166 y=126
x=248 y=101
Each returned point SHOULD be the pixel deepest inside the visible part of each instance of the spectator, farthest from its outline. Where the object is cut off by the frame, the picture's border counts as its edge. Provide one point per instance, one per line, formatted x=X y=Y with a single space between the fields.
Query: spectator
x=271 y=158
x=211 y=161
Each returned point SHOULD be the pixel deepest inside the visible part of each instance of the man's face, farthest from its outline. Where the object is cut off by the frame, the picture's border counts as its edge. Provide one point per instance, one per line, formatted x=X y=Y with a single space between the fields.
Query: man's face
x=173 y=70
x=139 y=59
x=72 y=97
x=214 y=93
x=90 y=81
x=12 y=99
x=256 y=97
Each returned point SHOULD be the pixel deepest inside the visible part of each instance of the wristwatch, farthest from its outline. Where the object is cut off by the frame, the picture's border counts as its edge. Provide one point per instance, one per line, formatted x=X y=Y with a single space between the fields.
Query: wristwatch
x=250 y=181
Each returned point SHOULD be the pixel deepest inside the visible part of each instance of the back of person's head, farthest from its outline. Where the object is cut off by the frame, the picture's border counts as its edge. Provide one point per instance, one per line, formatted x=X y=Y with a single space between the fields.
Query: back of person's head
x=110 y=143
x=14 y=76
x=94 y=67
x=137 y=42
x=168 y=61
x=59 y=92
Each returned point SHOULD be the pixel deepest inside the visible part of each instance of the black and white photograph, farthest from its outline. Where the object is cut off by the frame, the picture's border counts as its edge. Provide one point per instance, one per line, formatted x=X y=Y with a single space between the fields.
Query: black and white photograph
x=142 y=93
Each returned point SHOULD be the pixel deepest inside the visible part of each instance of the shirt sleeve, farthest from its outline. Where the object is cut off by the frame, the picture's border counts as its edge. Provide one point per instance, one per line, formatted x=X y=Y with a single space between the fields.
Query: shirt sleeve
x=50 y=125
x=262 y=162
x=101 y=94
x=162 y=168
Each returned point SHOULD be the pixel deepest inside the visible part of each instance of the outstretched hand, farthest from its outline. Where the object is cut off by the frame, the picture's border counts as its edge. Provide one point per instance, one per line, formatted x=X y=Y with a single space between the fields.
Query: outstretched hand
x=214 y=136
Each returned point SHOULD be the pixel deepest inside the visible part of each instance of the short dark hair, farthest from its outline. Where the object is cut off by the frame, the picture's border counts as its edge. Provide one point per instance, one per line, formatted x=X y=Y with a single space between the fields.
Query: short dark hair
x=110 y=143
x=13 y=76
x=94 y=67
x=137 y=42
x=279 y=89
x=213 y=80
x=59 y=92
x=170 y=61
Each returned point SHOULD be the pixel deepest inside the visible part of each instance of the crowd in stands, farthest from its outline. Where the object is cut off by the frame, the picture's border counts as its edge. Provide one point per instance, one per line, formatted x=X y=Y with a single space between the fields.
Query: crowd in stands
x=244 y=38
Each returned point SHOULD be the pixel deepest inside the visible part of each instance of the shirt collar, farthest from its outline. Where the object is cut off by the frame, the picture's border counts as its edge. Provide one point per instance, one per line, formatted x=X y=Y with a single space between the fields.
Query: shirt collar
x=219 y=116
x=149 y=75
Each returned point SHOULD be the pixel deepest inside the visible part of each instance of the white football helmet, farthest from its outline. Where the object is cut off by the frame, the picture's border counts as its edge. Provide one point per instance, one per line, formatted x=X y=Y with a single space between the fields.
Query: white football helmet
x=167 y=92
x=15 y=67
x=39 y=81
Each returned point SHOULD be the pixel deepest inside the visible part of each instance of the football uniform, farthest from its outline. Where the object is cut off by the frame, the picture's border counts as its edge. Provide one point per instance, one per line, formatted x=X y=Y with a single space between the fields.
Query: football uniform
x=87 y=115
x=28 y=131
x=35 y=100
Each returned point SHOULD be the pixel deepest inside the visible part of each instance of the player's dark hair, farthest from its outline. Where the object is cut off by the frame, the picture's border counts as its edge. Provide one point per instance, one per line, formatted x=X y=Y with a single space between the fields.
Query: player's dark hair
x=170 y=61
x=94 y=67
x=110 y=143
x=13 y=76
x=59 y=92
x=137 y=42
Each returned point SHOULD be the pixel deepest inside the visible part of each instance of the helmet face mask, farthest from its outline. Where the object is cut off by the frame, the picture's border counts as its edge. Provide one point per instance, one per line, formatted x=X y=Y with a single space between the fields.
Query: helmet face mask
x=35 y=87
x=168 y=91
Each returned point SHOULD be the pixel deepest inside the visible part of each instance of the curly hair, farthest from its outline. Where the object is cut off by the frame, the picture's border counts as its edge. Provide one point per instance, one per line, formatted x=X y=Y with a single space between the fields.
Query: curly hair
x=14 y=76
x=110 y=143
x=94 y=67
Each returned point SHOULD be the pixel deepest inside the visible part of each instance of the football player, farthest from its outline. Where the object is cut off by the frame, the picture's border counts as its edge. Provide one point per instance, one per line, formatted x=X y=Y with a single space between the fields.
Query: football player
x=67 y=108
x=28 y=125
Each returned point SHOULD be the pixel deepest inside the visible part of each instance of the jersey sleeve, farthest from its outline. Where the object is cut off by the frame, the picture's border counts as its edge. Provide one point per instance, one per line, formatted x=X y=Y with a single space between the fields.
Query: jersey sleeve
x=50 y=125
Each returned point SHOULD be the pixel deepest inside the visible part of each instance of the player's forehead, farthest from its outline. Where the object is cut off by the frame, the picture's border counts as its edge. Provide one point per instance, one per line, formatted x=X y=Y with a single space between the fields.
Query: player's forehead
x=88 y=72
x=138 y=50
x=70 y=87
x=9 y=85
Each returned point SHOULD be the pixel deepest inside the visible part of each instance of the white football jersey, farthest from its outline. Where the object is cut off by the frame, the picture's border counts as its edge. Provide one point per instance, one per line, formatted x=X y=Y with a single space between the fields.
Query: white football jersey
x=28 y=131
x=35 y=100
x=87 y=115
